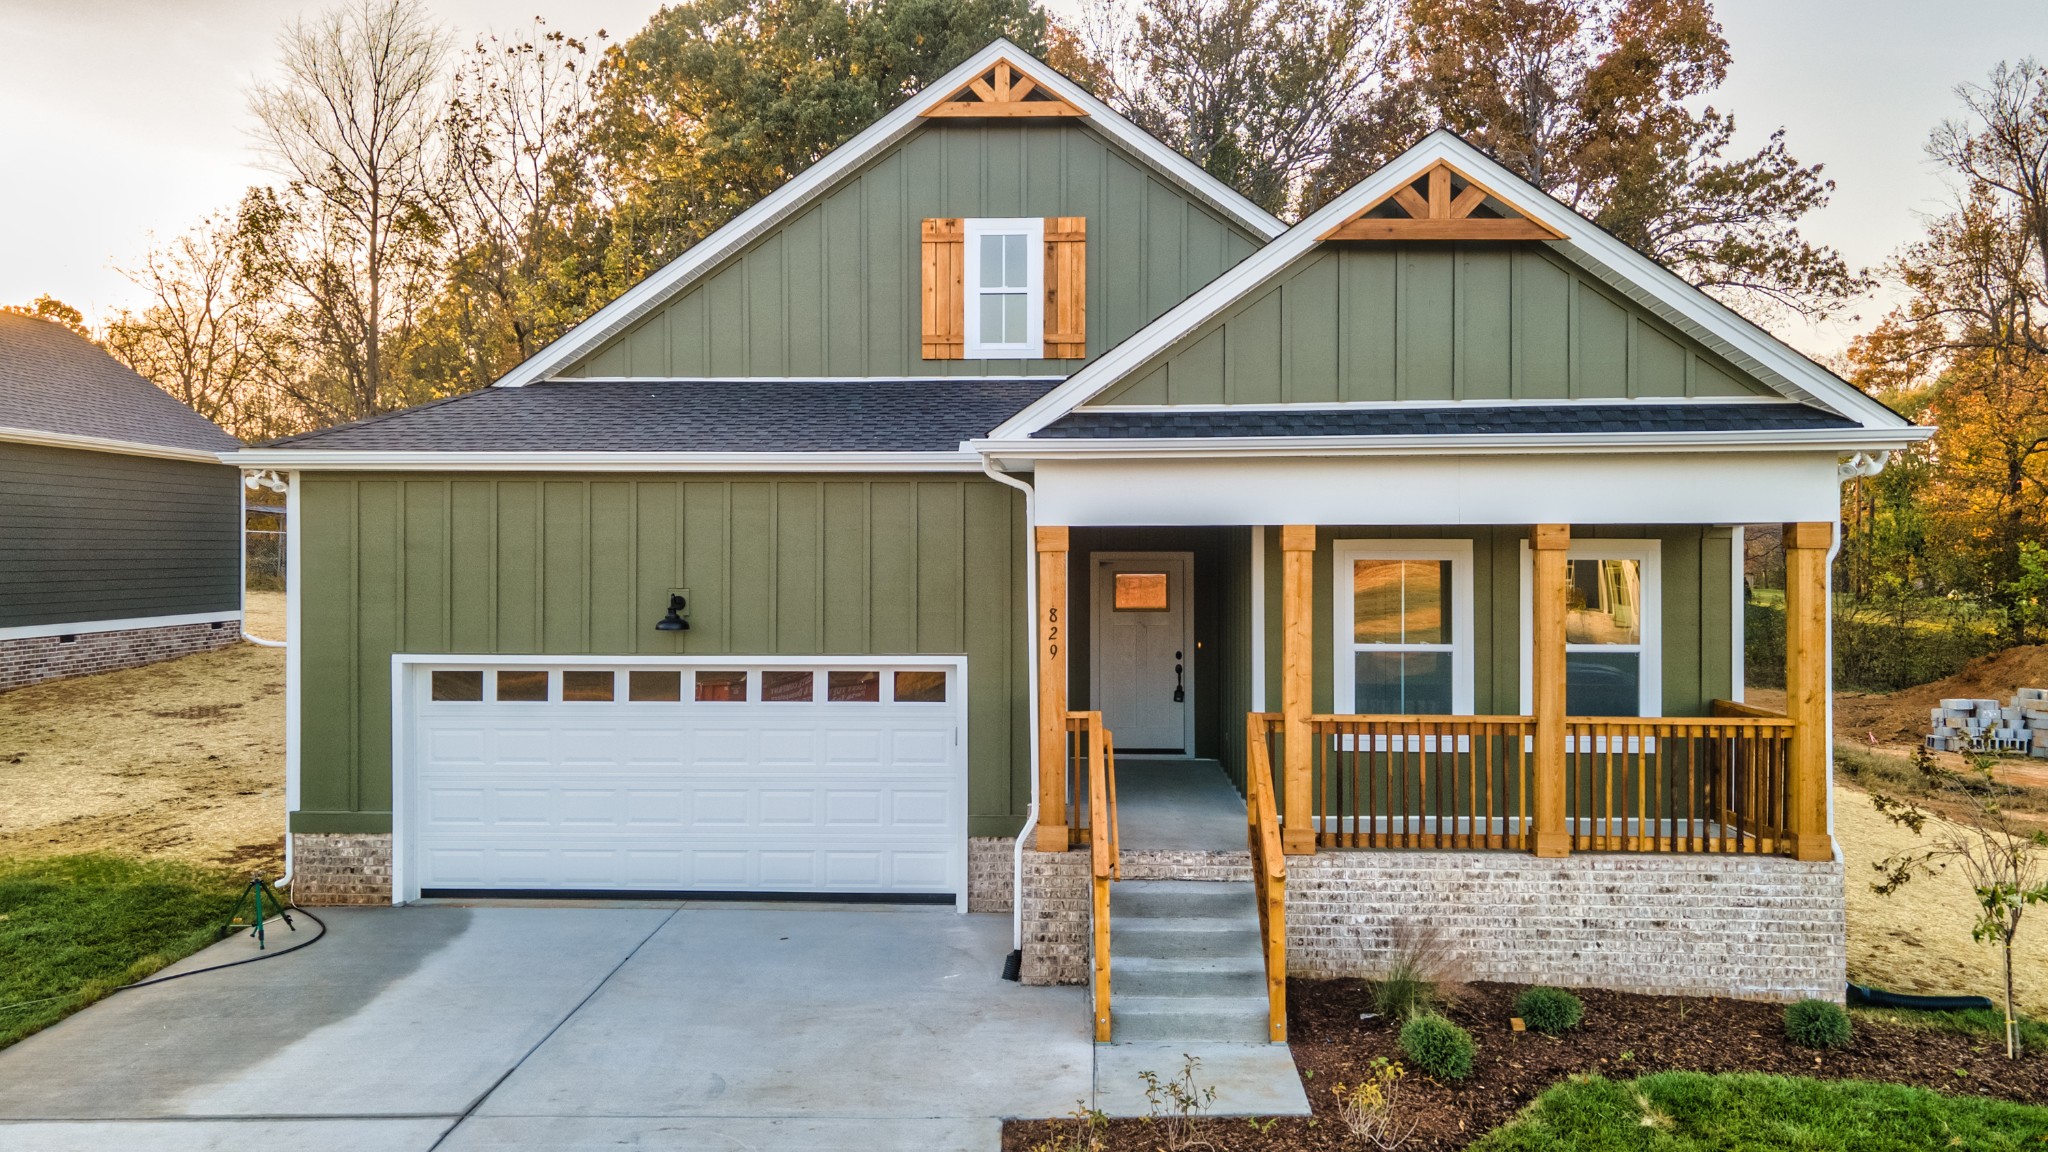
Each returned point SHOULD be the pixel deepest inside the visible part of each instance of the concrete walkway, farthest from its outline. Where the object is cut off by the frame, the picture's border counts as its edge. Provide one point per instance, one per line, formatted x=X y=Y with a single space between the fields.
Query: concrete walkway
x=1185 y=805
x=692 y=1026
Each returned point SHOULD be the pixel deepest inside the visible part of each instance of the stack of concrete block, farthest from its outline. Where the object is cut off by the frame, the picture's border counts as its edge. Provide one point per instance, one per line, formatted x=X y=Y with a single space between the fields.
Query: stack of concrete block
x=2016 y=725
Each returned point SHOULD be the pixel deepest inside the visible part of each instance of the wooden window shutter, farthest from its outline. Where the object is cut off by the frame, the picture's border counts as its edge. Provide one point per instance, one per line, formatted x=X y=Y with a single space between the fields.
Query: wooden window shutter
x=945 y=289
x=1066 y=287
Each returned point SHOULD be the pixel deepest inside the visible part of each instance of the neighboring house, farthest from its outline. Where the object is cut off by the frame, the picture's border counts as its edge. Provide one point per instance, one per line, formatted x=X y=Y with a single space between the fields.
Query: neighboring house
x=782 y=573
x=120 y=533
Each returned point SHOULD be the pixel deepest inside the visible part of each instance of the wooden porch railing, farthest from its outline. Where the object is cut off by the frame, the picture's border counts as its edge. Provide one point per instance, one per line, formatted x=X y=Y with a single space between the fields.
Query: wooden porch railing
x=1269 y=865
x=1092 y=751
x=1719 y=784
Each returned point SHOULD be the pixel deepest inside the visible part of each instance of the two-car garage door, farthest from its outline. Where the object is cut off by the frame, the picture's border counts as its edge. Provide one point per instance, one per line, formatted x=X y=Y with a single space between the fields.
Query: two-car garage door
x=846 y=779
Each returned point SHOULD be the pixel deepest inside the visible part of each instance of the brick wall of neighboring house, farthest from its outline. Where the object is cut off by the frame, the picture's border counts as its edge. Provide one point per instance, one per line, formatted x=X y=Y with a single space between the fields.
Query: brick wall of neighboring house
x=341 y=868
x=34 y=659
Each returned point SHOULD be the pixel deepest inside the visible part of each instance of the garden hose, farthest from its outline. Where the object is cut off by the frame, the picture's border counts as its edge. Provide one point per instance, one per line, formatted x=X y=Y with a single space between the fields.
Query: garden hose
x=196 y=971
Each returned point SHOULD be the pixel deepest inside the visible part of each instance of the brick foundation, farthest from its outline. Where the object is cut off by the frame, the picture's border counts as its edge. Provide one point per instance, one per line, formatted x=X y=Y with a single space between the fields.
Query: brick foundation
x=990 y=875
x=341 y=868
x=1763 y=928
x=34 y=659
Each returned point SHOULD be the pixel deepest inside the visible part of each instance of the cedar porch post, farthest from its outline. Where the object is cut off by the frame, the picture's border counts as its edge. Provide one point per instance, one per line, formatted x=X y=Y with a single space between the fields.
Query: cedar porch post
x=1051 y=627
x=1547 y=549
x=1806 y=684
x=1297 y=685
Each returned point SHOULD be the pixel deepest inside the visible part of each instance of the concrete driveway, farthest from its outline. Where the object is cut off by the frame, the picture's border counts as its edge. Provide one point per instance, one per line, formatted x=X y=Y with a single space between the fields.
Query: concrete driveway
x=498 y=1027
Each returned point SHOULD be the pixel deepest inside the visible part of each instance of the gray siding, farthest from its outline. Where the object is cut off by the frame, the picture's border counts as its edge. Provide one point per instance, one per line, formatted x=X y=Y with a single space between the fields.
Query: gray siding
x=834 y=291
x=1437 y=322
x=90 y=536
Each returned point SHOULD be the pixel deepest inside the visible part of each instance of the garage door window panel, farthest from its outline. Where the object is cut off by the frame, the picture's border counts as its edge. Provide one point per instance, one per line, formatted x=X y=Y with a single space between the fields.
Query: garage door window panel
x=853 y=687
x=781 y=686
x=920 y=687
x=724 y=686
x=583 y=686
x=654 y=687
x=522 y=687
x=459 y=685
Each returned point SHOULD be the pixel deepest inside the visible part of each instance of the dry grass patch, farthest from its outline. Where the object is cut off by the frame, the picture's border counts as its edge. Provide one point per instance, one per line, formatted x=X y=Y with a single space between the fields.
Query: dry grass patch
x=182 y=760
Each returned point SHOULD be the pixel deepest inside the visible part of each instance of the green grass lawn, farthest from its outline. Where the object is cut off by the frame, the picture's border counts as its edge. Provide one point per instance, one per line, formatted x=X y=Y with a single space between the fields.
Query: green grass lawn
x=74 y=928
x=1695 y=1112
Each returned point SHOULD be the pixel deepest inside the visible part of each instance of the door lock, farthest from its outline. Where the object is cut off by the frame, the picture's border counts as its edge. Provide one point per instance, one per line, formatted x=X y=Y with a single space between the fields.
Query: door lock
x=1180 y=691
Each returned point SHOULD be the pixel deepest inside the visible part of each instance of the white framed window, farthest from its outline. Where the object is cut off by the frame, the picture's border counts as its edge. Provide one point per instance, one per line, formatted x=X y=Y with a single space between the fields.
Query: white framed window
x=1004 y=272
x=1403 y=620
x=1613 y=629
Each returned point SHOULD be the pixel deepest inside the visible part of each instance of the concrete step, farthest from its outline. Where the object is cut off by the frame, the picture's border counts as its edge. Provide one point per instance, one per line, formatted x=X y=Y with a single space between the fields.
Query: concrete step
x=1148 y=1019
x=1181 y=899
x=1204 y=976
x=1183 y=939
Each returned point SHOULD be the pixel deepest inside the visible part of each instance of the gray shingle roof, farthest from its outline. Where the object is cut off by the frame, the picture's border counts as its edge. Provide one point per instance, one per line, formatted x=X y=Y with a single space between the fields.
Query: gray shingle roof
x=54 y=380
x=932 y=415
x=1559 y=419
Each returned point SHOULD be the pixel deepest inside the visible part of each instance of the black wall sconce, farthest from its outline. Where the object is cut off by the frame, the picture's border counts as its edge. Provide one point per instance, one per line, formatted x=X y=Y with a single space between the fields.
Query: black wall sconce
x=678 y=603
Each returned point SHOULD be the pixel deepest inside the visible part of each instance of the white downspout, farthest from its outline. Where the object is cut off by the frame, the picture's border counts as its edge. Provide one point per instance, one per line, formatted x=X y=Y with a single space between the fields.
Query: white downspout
x=269 y=480
x=1031 y=672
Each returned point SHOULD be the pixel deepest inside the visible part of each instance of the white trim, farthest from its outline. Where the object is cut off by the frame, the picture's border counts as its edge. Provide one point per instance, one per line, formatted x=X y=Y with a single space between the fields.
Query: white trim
x=1738 y=624
x=44 y=439
x=1641 y=279
x=1032 y=229
x=1439 y=405
x=1259 y=618
x=1096 y=610
x=1650 y=650
x=133 y=623
x=403 y=664
x=294 y=674
x=344 y=460
x=934 y=378
x=782 y=203
x=1344 y=670
x=1579 y=443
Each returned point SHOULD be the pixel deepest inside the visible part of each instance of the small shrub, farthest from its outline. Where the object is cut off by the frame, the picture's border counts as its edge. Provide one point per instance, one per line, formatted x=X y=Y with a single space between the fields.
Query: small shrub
x=1438 y=1047
x=1180 y=1106
x=1084 y=1135
x=1415 y=978
x=1817 y=1024
x=1550 y=1010
x=1371 y=1109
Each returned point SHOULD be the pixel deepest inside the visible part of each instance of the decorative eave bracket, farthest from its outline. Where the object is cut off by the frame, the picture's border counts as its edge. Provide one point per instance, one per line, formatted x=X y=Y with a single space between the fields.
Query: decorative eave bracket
x=1005 y=90
x=1441 y=203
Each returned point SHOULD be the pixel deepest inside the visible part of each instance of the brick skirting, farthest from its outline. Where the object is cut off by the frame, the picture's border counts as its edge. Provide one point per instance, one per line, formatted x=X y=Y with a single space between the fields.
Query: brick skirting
x=1760 y=928
x=341 y=868
x=991 y=862
x=34 y=659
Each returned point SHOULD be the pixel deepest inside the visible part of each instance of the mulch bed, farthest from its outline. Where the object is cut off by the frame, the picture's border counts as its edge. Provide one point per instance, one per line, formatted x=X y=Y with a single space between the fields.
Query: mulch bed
x=1623 y=1036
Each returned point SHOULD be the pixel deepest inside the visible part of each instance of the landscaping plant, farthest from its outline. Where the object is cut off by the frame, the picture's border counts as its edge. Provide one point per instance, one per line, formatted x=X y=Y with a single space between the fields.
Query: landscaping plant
x=1551 y=1010
x=1085 y=1136
x=2004 y=862
x=1438 y=1046
x=1817 y=1024
x=1179 y=1106
x=1371 y=1108
x=1411 y=985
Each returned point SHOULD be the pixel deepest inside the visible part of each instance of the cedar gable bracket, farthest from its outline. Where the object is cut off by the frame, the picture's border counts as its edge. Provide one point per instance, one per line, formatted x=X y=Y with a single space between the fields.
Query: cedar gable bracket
x=1004 y=90
x=1442 y=203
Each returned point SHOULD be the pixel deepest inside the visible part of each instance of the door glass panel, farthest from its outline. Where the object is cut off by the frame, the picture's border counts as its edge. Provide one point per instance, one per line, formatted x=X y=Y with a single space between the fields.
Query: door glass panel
x=1400 y=601
x=853 y=687
x=587 y=686
x=1603 y=683
x=522 y=686
x=455 y=685
x=657 y=686
x=1605 y=598
x=787 y=687
x=1403 y=683
x=1140 y=592
x=721 y=686
x=920 y=687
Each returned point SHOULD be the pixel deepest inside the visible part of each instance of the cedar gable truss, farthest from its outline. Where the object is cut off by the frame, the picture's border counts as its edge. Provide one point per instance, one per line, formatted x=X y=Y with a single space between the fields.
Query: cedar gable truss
x=1441 y=203
x=1006 y=91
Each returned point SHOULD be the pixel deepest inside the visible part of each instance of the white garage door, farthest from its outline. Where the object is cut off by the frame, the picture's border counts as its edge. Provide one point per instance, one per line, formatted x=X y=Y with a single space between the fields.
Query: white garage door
x=758 y=778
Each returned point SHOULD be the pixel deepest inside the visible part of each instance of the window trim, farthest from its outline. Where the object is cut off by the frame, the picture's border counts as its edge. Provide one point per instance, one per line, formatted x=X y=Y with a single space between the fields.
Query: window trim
x=1343 y=653
x=973 y=347
x=1650 y=678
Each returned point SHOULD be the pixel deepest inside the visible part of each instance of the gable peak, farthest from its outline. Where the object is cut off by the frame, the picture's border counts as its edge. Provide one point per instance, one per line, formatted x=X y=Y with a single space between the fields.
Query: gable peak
x=1441 y=203
x=1003 y=90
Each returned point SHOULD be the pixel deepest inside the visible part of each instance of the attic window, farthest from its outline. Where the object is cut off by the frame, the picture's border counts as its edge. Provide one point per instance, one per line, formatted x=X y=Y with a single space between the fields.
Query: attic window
x=1005 y=277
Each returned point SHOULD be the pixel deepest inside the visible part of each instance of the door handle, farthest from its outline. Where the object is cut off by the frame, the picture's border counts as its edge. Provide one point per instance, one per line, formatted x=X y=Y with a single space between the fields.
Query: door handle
x=1180 y=692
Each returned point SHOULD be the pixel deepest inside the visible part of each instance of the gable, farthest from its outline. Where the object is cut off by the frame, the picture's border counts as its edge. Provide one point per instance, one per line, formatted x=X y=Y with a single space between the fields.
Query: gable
x=834 y=289
x=1429 y=322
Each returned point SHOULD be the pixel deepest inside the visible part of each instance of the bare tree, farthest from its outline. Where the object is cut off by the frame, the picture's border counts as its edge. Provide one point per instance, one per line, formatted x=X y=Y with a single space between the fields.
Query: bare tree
x=354 y=125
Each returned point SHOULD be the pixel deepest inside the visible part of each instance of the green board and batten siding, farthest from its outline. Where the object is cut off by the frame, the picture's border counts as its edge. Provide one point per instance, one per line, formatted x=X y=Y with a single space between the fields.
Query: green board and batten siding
x=853 y=566
x=1431 y=323
x=88 y=536
x=835 y=290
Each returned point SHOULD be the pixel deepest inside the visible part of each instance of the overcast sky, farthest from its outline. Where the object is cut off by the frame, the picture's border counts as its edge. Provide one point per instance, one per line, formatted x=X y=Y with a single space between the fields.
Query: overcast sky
x=123 y=118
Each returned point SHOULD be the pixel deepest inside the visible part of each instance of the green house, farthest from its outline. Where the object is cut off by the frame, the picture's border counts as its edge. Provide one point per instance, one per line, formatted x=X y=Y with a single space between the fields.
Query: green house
x=1003 y=445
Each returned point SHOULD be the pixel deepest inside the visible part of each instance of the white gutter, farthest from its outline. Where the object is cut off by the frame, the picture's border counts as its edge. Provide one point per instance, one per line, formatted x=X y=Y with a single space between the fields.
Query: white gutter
x=341 y=460
x=1462 y=444
x=1031 y=674
x=44 y=439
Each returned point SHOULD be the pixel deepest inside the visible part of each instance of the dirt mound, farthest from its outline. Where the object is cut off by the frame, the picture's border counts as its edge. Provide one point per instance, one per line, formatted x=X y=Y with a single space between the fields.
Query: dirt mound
x=1901 y=717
